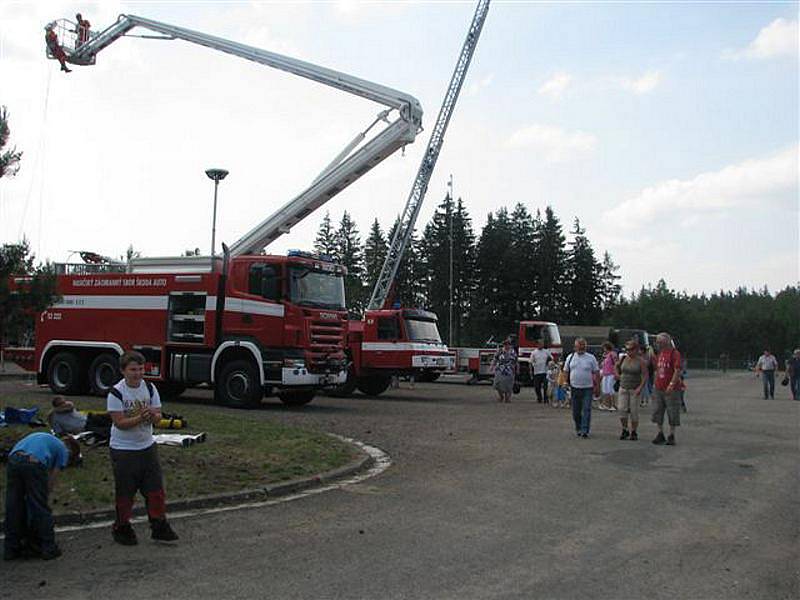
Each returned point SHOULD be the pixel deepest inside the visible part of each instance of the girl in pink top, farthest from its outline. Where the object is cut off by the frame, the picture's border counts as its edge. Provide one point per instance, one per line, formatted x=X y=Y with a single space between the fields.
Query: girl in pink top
x=609 y=372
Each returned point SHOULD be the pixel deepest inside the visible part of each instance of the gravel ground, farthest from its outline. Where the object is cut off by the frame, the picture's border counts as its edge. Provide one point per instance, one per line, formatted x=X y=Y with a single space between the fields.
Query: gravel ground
x=487 y=501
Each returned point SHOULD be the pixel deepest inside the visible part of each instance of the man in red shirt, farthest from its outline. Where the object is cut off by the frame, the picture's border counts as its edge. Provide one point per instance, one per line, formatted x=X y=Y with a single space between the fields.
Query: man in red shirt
x=666 y=395
x=51 y=39
x=82 y=29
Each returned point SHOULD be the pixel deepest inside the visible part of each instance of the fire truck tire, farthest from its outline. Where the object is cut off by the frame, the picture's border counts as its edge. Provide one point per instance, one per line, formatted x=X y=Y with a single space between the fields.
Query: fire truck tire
x=374 y=385
x=347 y=388
x=170 y=390
x=238 y=385
x=296 y=397
x=103 y=373
x=65 y=375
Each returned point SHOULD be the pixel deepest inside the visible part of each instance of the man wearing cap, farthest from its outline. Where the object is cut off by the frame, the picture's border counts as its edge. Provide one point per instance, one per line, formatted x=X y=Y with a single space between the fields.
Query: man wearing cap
x=33 y=465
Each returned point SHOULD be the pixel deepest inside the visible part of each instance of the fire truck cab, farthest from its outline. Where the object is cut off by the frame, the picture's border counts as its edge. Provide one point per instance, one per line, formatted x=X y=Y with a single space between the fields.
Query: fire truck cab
x=532 y=335
x=247 y=326
x=393 y=342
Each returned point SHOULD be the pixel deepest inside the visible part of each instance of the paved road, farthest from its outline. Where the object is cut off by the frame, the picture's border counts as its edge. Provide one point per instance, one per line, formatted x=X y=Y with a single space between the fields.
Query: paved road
x=489 y=501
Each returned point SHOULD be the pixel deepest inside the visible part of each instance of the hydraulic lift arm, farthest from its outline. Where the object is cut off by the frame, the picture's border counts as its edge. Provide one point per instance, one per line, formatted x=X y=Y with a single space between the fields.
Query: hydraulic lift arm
x=348 y=166
x=383 y=286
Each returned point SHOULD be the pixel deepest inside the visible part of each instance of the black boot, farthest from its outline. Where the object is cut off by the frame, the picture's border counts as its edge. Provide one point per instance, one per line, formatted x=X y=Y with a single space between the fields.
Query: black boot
x=162 y=531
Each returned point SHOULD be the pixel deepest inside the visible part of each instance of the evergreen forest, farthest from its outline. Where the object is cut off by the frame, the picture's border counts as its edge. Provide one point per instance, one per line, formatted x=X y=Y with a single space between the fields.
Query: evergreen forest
x=528 y=265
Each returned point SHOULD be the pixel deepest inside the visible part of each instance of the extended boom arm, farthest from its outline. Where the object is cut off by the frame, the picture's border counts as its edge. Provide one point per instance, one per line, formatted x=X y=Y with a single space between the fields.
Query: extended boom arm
x=339 y=174
x=383 y=286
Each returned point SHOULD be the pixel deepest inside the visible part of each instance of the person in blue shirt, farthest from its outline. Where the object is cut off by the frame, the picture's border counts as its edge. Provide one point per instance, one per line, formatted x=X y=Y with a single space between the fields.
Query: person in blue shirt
x=33 y=465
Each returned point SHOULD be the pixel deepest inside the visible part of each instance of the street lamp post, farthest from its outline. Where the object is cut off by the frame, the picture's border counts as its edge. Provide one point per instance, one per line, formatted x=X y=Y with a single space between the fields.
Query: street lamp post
x=450 y=227
x=217 y=175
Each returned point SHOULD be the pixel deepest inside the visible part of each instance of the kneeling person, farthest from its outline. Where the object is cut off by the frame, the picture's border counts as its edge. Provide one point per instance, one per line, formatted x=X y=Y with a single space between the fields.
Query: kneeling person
x=134 y=405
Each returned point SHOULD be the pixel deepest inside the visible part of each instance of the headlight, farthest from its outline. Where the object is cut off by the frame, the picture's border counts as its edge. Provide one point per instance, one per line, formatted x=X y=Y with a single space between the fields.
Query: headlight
x=294 y=363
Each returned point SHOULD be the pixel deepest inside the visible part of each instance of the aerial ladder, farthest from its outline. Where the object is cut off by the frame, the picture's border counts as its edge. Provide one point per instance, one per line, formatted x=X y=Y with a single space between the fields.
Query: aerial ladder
x=391 y=342
x=402 y=115
x=383 y=286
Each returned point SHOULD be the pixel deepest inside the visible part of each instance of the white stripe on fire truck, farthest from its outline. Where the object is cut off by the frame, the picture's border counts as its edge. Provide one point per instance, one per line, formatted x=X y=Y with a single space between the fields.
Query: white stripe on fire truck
x=402 y=346
x=114 y=302
x=253 y=307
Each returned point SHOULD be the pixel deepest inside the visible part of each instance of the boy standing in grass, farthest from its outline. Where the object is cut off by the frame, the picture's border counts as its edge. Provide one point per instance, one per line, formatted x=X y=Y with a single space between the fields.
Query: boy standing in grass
x=134 y=405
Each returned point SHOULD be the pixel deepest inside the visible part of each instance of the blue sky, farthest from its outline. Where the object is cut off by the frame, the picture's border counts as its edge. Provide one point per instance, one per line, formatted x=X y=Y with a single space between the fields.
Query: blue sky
x=670 y=129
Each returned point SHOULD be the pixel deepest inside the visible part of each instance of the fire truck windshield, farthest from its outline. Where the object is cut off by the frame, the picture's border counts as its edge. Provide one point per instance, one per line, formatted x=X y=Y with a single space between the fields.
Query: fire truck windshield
x=423 y=331
x=546 y=334
x=320 y=289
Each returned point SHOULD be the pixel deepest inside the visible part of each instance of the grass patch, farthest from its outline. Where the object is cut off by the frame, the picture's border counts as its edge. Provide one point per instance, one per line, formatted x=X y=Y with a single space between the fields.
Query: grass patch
x=241 y=452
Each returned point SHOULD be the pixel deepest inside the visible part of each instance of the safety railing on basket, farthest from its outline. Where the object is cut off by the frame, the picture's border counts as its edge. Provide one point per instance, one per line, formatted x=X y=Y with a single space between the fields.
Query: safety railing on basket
x=70 y=36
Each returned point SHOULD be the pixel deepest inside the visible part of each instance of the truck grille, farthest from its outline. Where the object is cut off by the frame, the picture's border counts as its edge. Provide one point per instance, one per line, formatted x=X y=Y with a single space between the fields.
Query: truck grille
x=327 y=345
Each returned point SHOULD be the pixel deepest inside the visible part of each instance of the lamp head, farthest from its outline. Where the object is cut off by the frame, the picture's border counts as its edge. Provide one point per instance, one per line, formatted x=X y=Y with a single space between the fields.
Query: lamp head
x=216 y=174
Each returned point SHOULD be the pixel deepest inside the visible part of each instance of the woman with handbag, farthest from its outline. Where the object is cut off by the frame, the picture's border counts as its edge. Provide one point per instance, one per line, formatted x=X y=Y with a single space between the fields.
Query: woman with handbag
x=504 y=366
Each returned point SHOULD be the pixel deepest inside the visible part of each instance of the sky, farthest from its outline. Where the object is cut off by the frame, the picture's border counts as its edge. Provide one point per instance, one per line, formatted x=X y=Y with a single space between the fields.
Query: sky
x=669 y=129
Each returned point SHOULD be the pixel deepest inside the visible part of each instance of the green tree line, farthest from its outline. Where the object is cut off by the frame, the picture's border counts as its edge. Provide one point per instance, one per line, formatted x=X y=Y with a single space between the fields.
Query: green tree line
x=523 y=265
x=520 y=266
x=740 y=324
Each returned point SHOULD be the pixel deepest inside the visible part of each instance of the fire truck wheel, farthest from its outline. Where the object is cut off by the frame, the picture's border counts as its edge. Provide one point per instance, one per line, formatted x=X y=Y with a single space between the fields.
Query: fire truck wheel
x=374 y=385
x=346 y=389
x=170 y=390
x=103 y=373
x=65 y=375
x=238 y=385
x=296 y=397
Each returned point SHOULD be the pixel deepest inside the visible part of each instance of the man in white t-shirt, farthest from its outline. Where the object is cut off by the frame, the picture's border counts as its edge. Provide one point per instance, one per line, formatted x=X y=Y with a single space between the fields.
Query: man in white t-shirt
x=766 y=366
x=583 y=370
x=134 y=405
x=539 y=360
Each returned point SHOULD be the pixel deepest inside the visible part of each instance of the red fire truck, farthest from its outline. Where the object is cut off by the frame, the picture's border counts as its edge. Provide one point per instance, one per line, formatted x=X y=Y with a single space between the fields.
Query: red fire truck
x=393 y=341
x=245 y=323
x=530 y=335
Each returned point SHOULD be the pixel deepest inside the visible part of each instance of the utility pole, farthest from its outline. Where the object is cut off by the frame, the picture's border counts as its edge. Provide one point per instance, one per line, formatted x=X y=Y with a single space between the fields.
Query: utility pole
x=450 y=225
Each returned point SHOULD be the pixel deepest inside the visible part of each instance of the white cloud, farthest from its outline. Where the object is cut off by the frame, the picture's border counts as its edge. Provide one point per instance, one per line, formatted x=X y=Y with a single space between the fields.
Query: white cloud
x=476 y=86
x=752 y=184
x=556 y=85
x=778 y=39
x=644 y=84
x=552 y=143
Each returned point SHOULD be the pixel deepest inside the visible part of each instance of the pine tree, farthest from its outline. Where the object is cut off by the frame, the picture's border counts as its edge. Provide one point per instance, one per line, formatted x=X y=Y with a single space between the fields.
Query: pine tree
x=9 y=160
x=464 y=282
x=349 y=253
x=583 y=286
x=551 y=259
x=435 y=266
x=523 y=278
x=375 y=251
x=494 y=308
x=325 y=243
x=609 y=286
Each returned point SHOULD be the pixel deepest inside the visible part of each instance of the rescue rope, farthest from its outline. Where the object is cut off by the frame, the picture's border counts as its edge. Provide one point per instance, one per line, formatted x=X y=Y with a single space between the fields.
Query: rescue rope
x=39 y=161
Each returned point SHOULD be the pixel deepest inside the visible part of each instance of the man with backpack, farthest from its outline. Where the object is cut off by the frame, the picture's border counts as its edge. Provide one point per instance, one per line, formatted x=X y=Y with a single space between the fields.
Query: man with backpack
x=666 y=395
x=134 y=405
